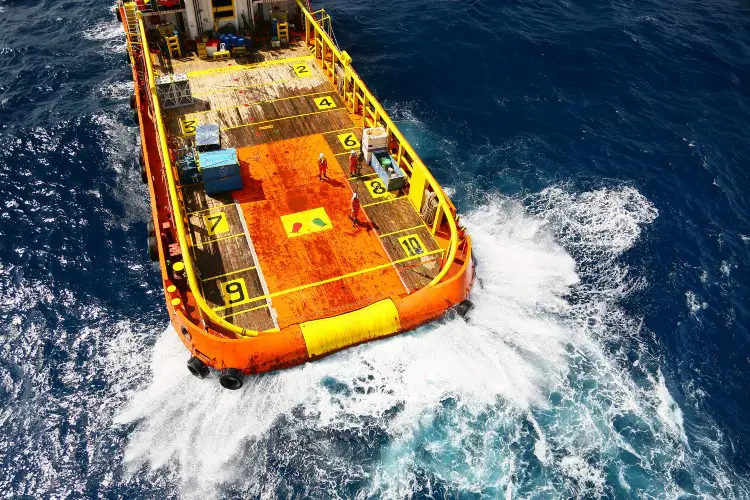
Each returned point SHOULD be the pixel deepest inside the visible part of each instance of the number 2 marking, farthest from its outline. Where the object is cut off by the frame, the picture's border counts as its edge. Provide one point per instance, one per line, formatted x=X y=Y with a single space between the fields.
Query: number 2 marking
x=235 y=292
x=412 y=245
x=324 y=103
x=216 y=223
x=349 y=141
x=302 y=71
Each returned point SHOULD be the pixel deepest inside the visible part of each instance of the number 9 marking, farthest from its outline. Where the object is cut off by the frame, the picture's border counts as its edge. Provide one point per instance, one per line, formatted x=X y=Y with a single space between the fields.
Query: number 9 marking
x=235 y=293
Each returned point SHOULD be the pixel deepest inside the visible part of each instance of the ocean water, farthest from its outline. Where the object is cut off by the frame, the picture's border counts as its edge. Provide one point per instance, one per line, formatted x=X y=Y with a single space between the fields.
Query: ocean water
x=597 y=151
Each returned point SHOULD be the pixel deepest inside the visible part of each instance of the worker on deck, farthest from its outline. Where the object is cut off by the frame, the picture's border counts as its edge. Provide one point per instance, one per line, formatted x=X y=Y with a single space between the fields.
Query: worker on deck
x=322 y=167
x=353 y=163
x=355 y=210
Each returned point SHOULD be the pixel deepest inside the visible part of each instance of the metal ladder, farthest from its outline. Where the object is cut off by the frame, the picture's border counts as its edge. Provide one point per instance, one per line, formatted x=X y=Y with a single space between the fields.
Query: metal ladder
x=131 y=18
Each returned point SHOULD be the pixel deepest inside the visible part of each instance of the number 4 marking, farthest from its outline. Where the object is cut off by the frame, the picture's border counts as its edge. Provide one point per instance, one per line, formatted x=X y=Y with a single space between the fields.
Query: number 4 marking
x=349 y=141
x=412 y=245
x=325 y=102
x=216 y=223
x=302 y=70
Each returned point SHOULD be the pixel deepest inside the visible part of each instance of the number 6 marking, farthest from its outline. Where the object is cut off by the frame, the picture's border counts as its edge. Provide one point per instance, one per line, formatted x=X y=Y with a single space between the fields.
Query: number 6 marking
x=349 y=141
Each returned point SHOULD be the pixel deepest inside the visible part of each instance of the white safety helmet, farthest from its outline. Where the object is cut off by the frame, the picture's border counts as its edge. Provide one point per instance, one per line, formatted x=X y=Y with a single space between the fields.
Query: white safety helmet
x=354 y=196
x=322 y=156
x=353 y=152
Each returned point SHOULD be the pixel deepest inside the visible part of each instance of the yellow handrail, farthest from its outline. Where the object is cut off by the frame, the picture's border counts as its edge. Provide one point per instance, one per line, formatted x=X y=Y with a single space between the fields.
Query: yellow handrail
x=175 y=202
x=416 y=162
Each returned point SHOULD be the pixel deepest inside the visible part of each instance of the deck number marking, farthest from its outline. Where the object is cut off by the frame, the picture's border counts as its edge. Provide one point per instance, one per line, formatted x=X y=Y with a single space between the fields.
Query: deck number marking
x=349 y=141
x=377 y=189
x=188 y=127
x=216 y=223
x=302 y=70
x=235 y=293
x=412 y=245
x=324 y=103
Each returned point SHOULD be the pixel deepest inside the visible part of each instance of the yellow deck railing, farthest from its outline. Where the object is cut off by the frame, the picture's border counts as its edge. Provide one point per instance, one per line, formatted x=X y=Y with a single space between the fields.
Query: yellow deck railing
x=359 y=99
x=177 y=206
x=356 y=94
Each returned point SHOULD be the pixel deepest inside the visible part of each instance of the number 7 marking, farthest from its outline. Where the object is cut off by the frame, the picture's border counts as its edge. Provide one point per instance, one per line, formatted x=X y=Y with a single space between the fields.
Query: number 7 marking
x=216 y=223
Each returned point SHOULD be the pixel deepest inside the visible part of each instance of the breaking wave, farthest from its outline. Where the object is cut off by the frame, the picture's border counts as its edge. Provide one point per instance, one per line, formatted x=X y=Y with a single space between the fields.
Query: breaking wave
x=545 y=390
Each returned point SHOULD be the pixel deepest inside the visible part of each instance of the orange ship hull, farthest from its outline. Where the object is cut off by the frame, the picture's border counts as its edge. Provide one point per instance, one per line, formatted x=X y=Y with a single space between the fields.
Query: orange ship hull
x=218 y=343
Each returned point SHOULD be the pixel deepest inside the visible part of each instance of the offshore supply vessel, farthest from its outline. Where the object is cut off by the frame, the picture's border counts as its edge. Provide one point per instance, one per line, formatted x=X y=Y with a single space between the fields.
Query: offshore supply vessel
x=291 y=218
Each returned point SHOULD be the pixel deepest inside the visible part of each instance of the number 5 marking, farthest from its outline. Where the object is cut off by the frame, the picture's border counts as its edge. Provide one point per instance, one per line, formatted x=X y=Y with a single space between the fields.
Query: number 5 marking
x=216 y=223
x=235 y=293
x=349 y=141
x=412 y=245
x=302 y=71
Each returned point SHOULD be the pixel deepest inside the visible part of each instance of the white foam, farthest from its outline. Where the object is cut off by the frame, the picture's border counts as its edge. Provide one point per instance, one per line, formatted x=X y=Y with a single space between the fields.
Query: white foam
x=110 y=33
x=535 y=353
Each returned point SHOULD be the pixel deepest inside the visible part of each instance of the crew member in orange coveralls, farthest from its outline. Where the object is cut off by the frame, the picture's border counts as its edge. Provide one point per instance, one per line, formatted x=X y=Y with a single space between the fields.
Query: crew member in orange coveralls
x=355 y=210
x=353 y=163
x=322 y=167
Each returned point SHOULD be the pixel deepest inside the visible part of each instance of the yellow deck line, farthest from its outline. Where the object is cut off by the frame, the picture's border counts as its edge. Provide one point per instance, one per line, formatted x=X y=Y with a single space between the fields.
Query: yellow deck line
x=246 y=67
x=244 y=311
x=218 y=239
x=341 y=129
x=254 y=103
x=337 y=278
x=240 y=87
x=402 y=231
x=284 y=118
x=228 y=274
x=211 y=208
x=384 y=201
x=357 y=177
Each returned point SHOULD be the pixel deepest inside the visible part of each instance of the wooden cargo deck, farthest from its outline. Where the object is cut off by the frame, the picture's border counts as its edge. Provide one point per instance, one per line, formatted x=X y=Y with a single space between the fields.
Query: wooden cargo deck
x=280 y=111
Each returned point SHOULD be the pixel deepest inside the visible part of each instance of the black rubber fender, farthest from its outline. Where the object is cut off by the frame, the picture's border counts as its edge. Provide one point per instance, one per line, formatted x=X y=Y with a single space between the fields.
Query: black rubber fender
x=153 y=249
x=231 y=378
x=150 y=228
x=132 y=101
x=144 y=176
x=464 y=308
x=135 y=117
x=198 y=368
x=118 y=14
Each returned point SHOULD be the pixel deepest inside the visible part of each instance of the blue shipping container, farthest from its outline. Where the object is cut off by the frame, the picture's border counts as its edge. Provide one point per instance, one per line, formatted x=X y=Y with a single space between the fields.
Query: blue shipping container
x=223 y=185
x=219 y=164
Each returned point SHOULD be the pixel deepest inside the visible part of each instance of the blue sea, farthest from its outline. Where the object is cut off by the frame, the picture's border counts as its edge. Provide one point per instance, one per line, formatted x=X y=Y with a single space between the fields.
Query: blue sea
x=598 y=152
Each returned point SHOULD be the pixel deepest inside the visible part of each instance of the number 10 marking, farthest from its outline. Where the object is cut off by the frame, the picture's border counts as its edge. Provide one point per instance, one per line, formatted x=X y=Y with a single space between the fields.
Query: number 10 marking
x=412 y=245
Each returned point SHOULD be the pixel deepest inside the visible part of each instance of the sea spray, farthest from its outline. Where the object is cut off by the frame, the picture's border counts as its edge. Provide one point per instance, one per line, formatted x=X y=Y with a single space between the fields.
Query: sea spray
x=524 y=398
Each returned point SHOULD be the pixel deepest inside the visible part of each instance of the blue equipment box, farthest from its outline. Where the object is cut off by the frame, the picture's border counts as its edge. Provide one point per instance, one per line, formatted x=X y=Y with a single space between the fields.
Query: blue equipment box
x=189 y=171
x=219 y=164
x=223 y=185
x=388 y=170
x=207 y=137
x=221 y=171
